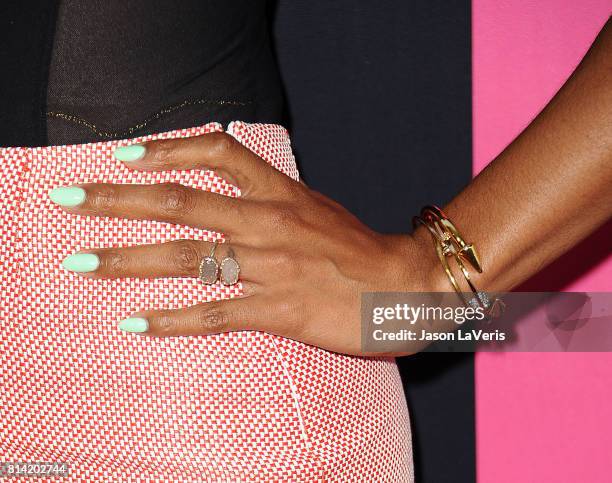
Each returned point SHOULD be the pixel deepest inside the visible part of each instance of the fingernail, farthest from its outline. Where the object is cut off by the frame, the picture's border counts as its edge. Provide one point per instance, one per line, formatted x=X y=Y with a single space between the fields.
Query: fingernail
x=67 y=195
x=134 y=324
x=81 y=262
x=130 y=153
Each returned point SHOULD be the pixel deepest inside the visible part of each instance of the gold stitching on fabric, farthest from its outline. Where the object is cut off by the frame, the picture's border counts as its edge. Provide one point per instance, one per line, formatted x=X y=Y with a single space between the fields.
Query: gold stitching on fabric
x=131 y=130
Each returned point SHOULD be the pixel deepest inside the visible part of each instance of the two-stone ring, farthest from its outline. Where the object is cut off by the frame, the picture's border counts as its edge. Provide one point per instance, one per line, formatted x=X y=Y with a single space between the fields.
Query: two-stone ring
x=228 y=271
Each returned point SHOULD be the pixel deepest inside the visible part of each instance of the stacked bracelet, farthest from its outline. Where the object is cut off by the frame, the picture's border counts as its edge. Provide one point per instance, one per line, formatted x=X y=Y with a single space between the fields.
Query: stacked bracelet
x=448 y=242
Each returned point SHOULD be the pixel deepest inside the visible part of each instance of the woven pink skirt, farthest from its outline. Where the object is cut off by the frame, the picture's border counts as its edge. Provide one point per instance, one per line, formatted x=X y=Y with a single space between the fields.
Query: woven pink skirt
x=244 y=406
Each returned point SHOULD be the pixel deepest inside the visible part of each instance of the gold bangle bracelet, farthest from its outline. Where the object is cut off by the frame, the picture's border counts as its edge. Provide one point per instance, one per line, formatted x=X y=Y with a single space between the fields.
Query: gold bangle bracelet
x=465 y=250
x=440 y=244
x=480 y=298
x=448 y=242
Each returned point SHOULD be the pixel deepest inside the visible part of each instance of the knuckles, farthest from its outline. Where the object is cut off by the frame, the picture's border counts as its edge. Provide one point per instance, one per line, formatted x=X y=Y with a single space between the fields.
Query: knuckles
x=102 y=199
x=114 y=263
x=167 y=151
x=212 y=319
x=283 y=218
x=281 y=260
x=163 y=151
x=186 y=257
x=165 y=324
x=175 y=200
x=220 y=145
x=288 y=264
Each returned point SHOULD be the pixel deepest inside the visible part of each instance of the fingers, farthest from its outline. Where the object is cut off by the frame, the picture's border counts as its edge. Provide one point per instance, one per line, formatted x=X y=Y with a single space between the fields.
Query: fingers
x=167 y=202
x=180 y=258
x=248 y=313
x=219 y=152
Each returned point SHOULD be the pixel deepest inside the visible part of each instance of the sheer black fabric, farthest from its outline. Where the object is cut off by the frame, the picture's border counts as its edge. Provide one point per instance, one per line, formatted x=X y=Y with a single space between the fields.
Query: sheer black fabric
x=26 y=33
x=122 y=69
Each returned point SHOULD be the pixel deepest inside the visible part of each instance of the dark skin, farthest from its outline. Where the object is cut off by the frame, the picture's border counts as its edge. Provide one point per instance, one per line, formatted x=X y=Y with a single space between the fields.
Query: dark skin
x=305 y=260
x=278 y=274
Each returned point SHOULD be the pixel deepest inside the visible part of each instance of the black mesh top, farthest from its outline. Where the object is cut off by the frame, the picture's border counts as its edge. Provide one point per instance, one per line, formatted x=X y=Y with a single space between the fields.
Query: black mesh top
x=118 y=69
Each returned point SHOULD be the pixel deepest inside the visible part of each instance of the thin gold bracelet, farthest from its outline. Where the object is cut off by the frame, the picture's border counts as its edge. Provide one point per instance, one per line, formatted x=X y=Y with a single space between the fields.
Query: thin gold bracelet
x=448 y=242
x=465 y=250
x=440 y=245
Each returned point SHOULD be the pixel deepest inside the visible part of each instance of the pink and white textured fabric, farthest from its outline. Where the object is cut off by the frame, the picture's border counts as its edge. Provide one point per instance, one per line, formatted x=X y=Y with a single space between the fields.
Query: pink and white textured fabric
x=244 y=406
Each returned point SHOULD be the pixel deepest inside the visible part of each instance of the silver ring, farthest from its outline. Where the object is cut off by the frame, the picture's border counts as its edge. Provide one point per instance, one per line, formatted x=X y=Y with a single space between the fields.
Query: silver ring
x=209 y=268
x=230 y=269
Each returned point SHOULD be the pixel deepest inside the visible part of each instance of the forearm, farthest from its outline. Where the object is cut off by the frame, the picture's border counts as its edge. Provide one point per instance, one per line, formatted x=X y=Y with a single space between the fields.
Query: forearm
x=548 y=190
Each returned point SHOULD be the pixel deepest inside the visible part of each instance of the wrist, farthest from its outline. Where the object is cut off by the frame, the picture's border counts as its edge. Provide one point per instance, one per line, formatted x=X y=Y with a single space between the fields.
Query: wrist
x=428 y=263
x=420 y=266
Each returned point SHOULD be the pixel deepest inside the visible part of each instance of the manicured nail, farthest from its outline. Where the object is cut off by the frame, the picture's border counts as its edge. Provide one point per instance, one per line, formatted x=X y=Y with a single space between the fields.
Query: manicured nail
x=67 y=195
x=134 y=324
x=130 y=153
x=81 y=262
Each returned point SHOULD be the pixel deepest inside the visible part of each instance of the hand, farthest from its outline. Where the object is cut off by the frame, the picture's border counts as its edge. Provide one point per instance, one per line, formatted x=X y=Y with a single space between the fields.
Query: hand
x=304 y=259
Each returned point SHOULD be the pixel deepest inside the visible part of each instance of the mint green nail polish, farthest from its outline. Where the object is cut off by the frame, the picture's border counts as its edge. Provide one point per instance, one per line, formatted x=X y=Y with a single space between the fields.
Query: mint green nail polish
x=67 y=195
x=130 y=153
x=134 y=324
x=81 y=262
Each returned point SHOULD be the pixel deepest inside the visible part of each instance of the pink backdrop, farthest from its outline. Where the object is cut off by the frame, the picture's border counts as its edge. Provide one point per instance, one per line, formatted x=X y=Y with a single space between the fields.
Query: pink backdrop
x=540 y=417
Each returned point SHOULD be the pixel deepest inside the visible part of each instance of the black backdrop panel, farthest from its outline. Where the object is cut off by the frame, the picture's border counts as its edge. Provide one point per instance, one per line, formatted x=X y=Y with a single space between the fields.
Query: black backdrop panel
x=26 y=26
x=379 y=97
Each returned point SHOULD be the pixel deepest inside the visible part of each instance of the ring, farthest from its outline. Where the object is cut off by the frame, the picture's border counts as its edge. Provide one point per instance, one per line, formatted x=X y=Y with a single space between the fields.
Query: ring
x=230 y=270
x=209 y=268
